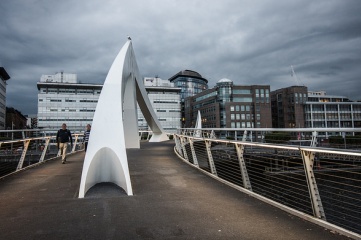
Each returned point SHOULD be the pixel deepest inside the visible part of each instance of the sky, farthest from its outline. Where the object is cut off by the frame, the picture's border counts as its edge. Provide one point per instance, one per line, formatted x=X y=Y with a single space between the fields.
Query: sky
x=247 y=41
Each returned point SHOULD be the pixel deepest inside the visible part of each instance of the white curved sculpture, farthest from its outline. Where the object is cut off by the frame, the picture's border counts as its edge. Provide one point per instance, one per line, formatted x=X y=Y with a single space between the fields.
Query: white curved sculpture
x=115 y=124
x=198 y=126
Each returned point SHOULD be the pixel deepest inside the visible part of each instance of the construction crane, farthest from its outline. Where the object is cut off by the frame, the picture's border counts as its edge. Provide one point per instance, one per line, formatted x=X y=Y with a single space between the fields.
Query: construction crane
x=298 y=81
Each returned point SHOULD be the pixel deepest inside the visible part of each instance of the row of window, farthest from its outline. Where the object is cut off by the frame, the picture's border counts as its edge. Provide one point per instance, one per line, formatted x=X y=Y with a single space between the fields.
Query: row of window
x=244 y=124
x=244 y=116
x=242 y=108
x=65 y=120
x=70 y=100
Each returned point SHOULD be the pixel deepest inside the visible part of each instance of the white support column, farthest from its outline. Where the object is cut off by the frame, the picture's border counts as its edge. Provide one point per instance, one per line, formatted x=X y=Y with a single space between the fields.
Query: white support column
x=47 y=141
x=194 y=156
x=23 y=154
x=242 y=165
x=210 y=158
x=308 y=163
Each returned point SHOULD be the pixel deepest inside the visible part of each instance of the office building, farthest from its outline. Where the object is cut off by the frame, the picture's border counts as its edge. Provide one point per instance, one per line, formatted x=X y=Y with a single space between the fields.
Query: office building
x=288 y=107
x=230 y=106
x=190 y=83
x=61 y=99
x=4 y=76
x=330 y=111
x=165 y=100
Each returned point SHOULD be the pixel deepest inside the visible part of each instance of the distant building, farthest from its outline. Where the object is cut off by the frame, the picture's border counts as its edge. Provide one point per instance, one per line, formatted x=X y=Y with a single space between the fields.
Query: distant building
x=288 y=107
x=165 y=100
x=191 y=83
x=32 y=121
x=15 y=119
x=230 y=106
x=330 y=111
x=4 y=76
x=61 y=99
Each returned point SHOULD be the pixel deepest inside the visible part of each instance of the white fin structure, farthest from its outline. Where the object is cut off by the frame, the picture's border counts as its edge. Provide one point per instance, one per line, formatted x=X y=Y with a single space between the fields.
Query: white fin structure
x=197 y=132
x=115 y=124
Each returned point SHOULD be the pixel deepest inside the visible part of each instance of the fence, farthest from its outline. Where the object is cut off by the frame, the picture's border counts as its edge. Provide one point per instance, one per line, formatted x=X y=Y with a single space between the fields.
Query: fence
x=321 y=183
x=20 y=149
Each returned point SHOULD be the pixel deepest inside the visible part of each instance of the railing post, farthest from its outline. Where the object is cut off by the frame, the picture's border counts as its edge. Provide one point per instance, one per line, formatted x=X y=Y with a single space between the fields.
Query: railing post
x=195 y=161
x=210 y=157
x=47 y=141
x=244 y=138
x=177 y=144
x=308 y=163
x=242 y=164
x=184 y=148
x=74 y=145
x=23 y=154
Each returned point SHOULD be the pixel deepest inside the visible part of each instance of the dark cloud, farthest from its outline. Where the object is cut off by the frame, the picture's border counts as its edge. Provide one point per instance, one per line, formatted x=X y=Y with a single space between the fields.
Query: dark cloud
x=250 y=42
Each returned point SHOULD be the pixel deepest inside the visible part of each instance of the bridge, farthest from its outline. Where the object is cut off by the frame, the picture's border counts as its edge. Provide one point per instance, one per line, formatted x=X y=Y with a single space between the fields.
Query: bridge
x=186 y=188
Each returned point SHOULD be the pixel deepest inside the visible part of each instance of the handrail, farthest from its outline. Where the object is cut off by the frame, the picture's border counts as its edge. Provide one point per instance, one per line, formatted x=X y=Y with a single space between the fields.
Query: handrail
x=316 y=183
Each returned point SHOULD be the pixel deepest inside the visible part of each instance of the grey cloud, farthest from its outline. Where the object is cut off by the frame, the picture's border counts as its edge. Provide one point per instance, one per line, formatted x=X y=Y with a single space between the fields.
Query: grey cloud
x=250 y=42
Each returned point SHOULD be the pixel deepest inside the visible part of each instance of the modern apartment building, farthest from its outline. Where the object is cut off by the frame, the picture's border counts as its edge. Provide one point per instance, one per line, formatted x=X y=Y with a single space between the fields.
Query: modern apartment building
x=165 y=100
x=4 y=76
x=190 y=83
x=330 y=111
x=61 y=99
x=230 y=106
x=288 y=107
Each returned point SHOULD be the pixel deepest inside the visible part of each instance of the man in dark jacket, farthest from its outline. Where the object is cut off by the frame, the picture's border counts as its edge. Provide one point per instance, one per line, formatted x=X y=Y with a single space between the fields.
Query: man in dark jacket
x=62 y=138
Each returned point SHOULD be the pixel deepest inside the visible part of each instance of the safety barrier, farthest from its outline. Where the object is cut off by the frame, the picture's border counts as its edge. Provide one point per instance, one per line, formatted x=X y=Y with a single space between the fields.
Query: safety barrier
x=319 y=184
x=18 y=154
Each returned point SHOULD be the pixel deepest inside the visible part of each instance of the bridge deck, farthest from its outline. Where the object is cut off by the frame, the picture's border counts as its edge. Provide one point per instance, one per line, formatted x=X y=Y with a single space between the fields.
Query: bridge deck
x=171 y=201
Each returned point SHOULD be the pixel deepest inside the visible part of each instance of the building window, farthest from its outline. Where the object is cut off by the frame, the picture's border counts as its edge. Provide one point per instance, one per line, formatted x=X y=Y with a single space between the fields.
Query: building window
x=232 y=108
x=232 y=116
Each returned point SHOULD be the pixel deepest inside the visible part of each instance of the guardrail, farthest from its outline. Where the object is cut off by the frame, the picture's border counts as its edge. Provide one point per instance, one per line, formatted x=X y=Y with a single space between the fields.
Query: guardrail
x=18 y=154
x=346 y=138
x=319 y=184
x=20 y=149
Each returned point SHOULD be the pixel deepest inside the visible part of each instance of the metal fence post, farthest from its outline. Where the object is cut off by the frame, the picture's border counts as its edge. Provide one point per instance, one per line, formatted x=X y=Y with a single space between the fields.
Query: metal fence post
x=210 y=157
x=184 y=148
x=47 y=141
x=195 y=161
x=242 y=164
x=23 y=154
x=308 y=163
x=177 y=144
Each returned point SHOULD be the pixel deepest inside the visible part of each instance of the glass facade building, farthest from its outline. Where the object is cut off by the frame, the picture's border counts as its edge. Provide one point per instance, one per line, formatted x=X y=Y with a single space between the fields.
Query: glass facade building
x=4 y=76
x=329 y=111
x=165 y=100
x=230 y=106
x=61 y=99
x=190 y=83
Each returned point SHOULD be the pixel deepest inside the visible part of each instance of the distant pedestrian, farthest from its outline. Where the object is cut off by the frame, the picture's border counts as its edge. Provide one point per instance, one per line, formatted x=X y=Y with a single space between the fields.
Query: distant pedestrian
x=62 y=138
x=86 y=136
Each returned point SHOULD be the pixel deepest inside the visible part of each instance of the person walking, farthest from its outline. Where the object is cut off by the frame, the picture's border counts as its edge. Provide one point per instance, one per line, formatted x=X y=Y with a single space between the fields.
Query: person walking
x=62 y=138
x=86 y=136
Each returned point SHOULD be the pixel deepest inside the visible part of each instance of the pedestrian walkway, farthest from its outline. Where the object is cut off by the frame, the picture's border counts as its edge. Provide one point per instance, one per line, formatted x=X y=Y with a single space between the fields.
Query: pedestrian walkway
x=171 y=200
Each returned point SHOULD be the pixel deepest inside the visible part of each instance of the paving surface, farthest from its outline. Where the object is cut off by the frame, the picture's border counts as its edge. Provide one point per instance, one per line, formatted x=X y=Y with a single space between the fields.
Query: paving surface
x=171 y=201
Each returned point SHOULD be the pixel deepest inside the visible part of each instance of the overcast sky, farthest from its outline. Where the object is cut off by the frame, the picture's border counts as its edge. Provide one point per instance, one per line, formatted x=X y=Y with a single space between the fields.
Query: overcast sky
x=249 y=42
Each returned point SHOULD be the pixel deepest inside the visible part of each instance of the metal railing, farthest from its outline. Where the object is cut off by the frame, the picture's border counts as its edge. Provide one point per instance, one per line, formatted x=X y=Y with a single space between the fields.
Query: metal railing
x=346 y=138
x=322 y=184
x=20 y=149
